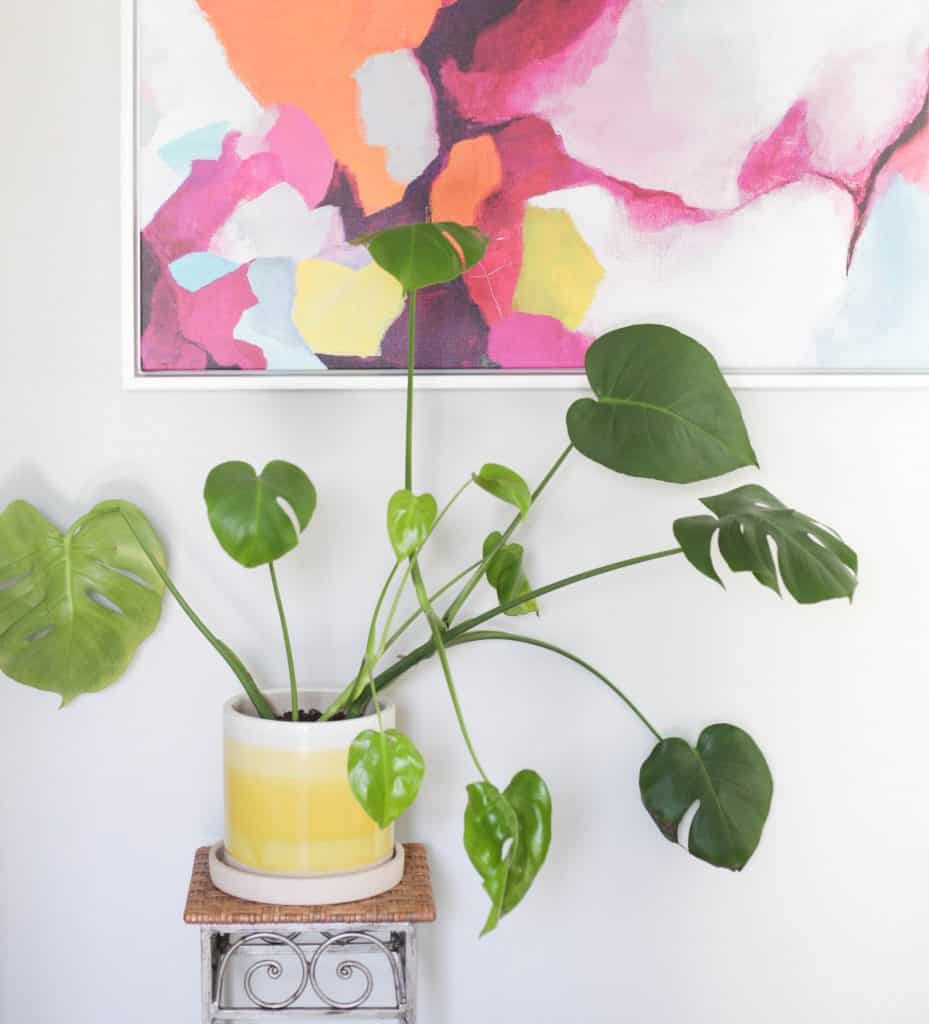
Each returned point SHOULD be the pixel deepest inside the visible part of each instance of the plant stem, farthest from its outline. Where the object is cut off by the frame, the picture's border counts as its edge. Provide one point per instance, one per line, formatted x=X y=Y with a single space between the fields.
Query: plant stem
x=401 y=629
x=435 y=624
x=294 y=696
x=258 y=699
x=455 y=607
x=410 y=372
x=427 y=649
x=519 y=639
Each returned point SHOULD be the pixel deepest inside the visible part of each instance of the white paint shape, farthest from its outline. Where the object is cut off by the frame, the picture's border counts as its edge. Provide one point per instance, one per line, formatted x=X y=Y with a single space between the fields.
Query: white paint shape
x=398 y=112
x=278 y=225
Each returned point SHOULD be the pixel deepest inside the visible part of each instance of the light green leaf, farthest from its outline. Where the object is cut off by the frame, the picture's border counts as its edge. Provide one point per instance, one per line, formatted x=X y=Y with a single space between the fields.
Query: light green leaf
x=410 y=517
x=506 y=485
x=729 y=778
x=815 y=563
x=246 y=514
x=75 y=607
x=505 y=574
x=385 y=771
x=507 y=836
x=662 y=408
x=422 y=255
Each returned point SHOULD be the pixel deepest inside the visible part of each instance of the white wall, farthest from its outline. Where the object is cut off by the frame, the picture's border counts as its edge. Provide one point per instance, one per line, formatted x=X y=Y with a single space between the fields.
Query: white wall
x=828 y=923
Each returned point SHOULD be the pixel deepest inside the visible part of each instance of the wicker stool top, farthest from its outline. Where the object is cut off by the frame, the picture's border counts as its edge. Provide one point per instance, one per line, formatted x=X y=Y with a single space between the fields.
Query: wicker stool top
x=411 y=901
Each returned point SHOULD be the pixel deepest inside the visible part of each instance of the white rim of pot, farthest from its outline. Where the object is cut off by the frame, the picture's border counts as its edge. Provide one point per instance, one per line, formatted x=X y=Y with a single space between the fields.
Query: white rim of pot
x=242 y=723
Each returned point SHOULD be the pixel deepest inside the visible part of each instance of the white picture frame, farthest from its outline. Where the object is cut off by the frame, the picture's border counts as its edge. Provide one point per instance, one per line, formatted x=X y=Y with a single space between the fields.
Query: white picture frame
x=135 y=379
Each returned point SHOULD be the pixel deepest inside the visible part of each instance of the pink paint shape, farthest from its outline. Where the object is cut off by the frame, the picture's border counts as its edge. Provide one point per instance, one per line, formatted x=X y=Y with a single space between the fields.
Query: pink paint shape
x=524 y=341
x=307 y=162
x=210 y=316
x=784 y=156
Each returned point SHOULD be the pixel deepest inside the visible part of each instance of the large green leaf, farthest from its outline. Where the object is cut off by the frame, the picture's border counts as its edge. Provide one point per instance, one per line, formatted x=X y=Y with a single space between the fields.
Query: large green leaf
x=815 y=564
x=662 y=408
x=422 y=255
x=729 y=778
x=74 y=607
x=385 y=771
x=507 y=836
x=246 y=514
x=505 y=573
x=410 y=517
x=505 y=484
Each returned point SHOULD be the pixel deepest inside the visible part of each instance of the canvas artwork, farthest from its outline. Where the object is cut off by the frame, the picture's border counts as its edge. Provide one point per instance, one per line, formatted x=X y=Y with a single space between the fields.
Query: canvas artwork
x=754 y=174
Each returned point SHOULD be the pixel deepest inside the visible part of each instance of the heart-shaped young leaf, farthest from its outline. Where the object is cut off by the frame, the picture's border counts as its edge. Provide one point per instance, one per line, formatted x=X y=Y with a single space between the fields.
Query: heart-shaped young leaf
x=505 y=484
x=410 y=517
x=246 y=513
x=74 y=607
x=507 y=836
x=505 y=574
x=385 y=771
x=663 y=409
x=815 y=564
x=729 y=778
x=422 y=255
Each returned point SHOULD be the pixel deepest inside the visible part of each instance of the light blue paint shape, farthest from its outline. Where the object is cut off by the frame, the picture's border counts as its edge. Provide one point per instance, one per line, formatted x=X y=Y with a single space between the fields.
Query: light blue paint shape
x=202 y=144
x=198 y=269
x=269 y=324
x=883 y=324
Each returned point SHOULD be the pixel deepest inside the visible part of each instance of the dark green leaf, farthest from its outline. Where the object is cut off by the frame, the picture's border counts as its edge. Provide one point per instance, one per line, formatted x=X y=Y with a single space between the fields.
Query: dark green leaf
x=505 y=574
x=422 y=255
x=506 y=485
x=729 y=778
x=385 y=771
x=410 y=517
x=75 y=607
x=663 y=409
x=815 y=564
x=507 y=836
x=246 y=514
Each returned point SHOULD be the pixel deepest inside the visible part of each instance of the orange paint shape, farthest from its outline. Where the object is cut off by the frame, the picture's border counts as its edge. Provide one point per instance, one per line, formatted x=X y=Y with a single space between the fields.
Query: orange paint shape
x=304 y=54
x=473 y=173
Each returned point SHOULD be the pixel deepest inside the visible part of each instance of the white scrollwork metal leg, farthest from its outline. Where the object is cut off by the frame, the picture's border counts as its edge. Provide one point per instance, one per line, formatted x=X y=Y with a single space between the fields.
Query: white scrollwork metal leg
x=346 y=970
x=272 y=967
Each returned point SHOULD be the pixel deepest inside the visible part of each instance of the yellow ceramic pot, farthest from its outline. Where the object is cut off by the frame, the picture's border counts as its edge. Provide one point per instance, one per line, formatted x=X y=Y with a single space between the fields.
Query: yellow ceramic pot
x=289 y=807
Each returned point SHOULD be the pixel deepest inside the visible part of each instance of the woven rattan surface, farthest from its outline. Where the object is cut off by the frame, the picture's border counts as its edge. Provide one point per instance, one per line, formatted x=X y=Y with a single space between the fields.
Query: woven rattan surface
x=411 y=900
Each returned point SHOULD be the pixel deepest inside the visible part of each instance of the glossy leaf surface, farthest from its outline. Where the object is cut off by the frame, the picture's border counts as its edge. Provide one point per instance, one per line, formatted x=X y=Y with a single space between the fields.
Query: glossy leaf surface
x=729 y=778
x=507 y=836
x=505 y=484
x=385 y=771
x=662 y=408
x=814 y=562
x=74 y=607
x=246 y=513
x=505 y=574
x=410 y=517
x=422 y=255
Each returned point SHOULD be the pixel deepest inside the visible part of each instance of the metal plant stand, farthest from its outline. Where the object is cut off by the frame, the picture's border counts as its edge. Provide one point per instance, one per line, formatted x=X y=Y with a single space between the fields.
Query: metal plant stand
x=352 y=960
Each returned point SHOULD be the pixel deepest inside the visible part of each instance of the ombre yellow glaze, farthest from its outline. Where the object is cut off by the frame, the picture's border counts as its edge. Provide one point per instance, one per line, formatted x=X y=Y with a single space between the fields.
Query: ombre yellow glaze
x=293 y=812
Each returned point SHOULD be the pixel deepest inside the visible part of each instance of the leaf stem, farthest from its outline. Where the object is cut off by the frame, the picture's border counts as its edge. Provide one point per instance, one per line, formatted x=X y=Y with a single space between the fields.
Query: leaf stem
x=455 y=607
x=491 y=634
x=258 y=699
x=410 y=372
x=294 y=695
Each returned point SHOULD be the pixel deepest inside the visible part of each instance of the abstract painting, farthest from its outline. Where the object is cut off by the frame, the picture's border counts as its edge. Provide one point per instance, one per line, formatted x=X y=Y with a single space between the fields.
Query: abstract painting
x=755 y=174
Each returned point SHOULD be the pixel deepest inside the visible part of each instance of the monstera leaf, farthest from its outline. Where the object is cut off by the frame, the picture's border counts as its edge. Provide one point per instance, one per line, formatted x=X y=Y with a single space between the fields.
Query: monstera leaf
x=246 y=514
x=815 y=564
x=385 y=771
x=505 y=484
x=507 y=836
x=421 y=255
x=410 y=517
x=74 y=607
x=662 y=408
x=727 y=776
x=505 y=574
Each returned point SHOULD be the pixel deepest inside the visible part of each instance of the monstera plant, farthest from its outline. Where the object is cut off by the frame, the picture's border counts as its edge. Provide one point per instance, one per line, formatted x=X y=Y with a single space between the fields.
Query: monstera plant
x=73 y=607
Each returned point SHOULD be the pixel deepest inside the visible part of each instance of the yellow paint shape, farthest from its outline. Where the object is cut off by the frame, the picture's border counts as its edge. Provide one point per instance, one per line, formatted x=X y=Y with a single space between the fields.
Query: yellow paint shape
x=473 y=173
x=560 y=273
x=345 y=312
